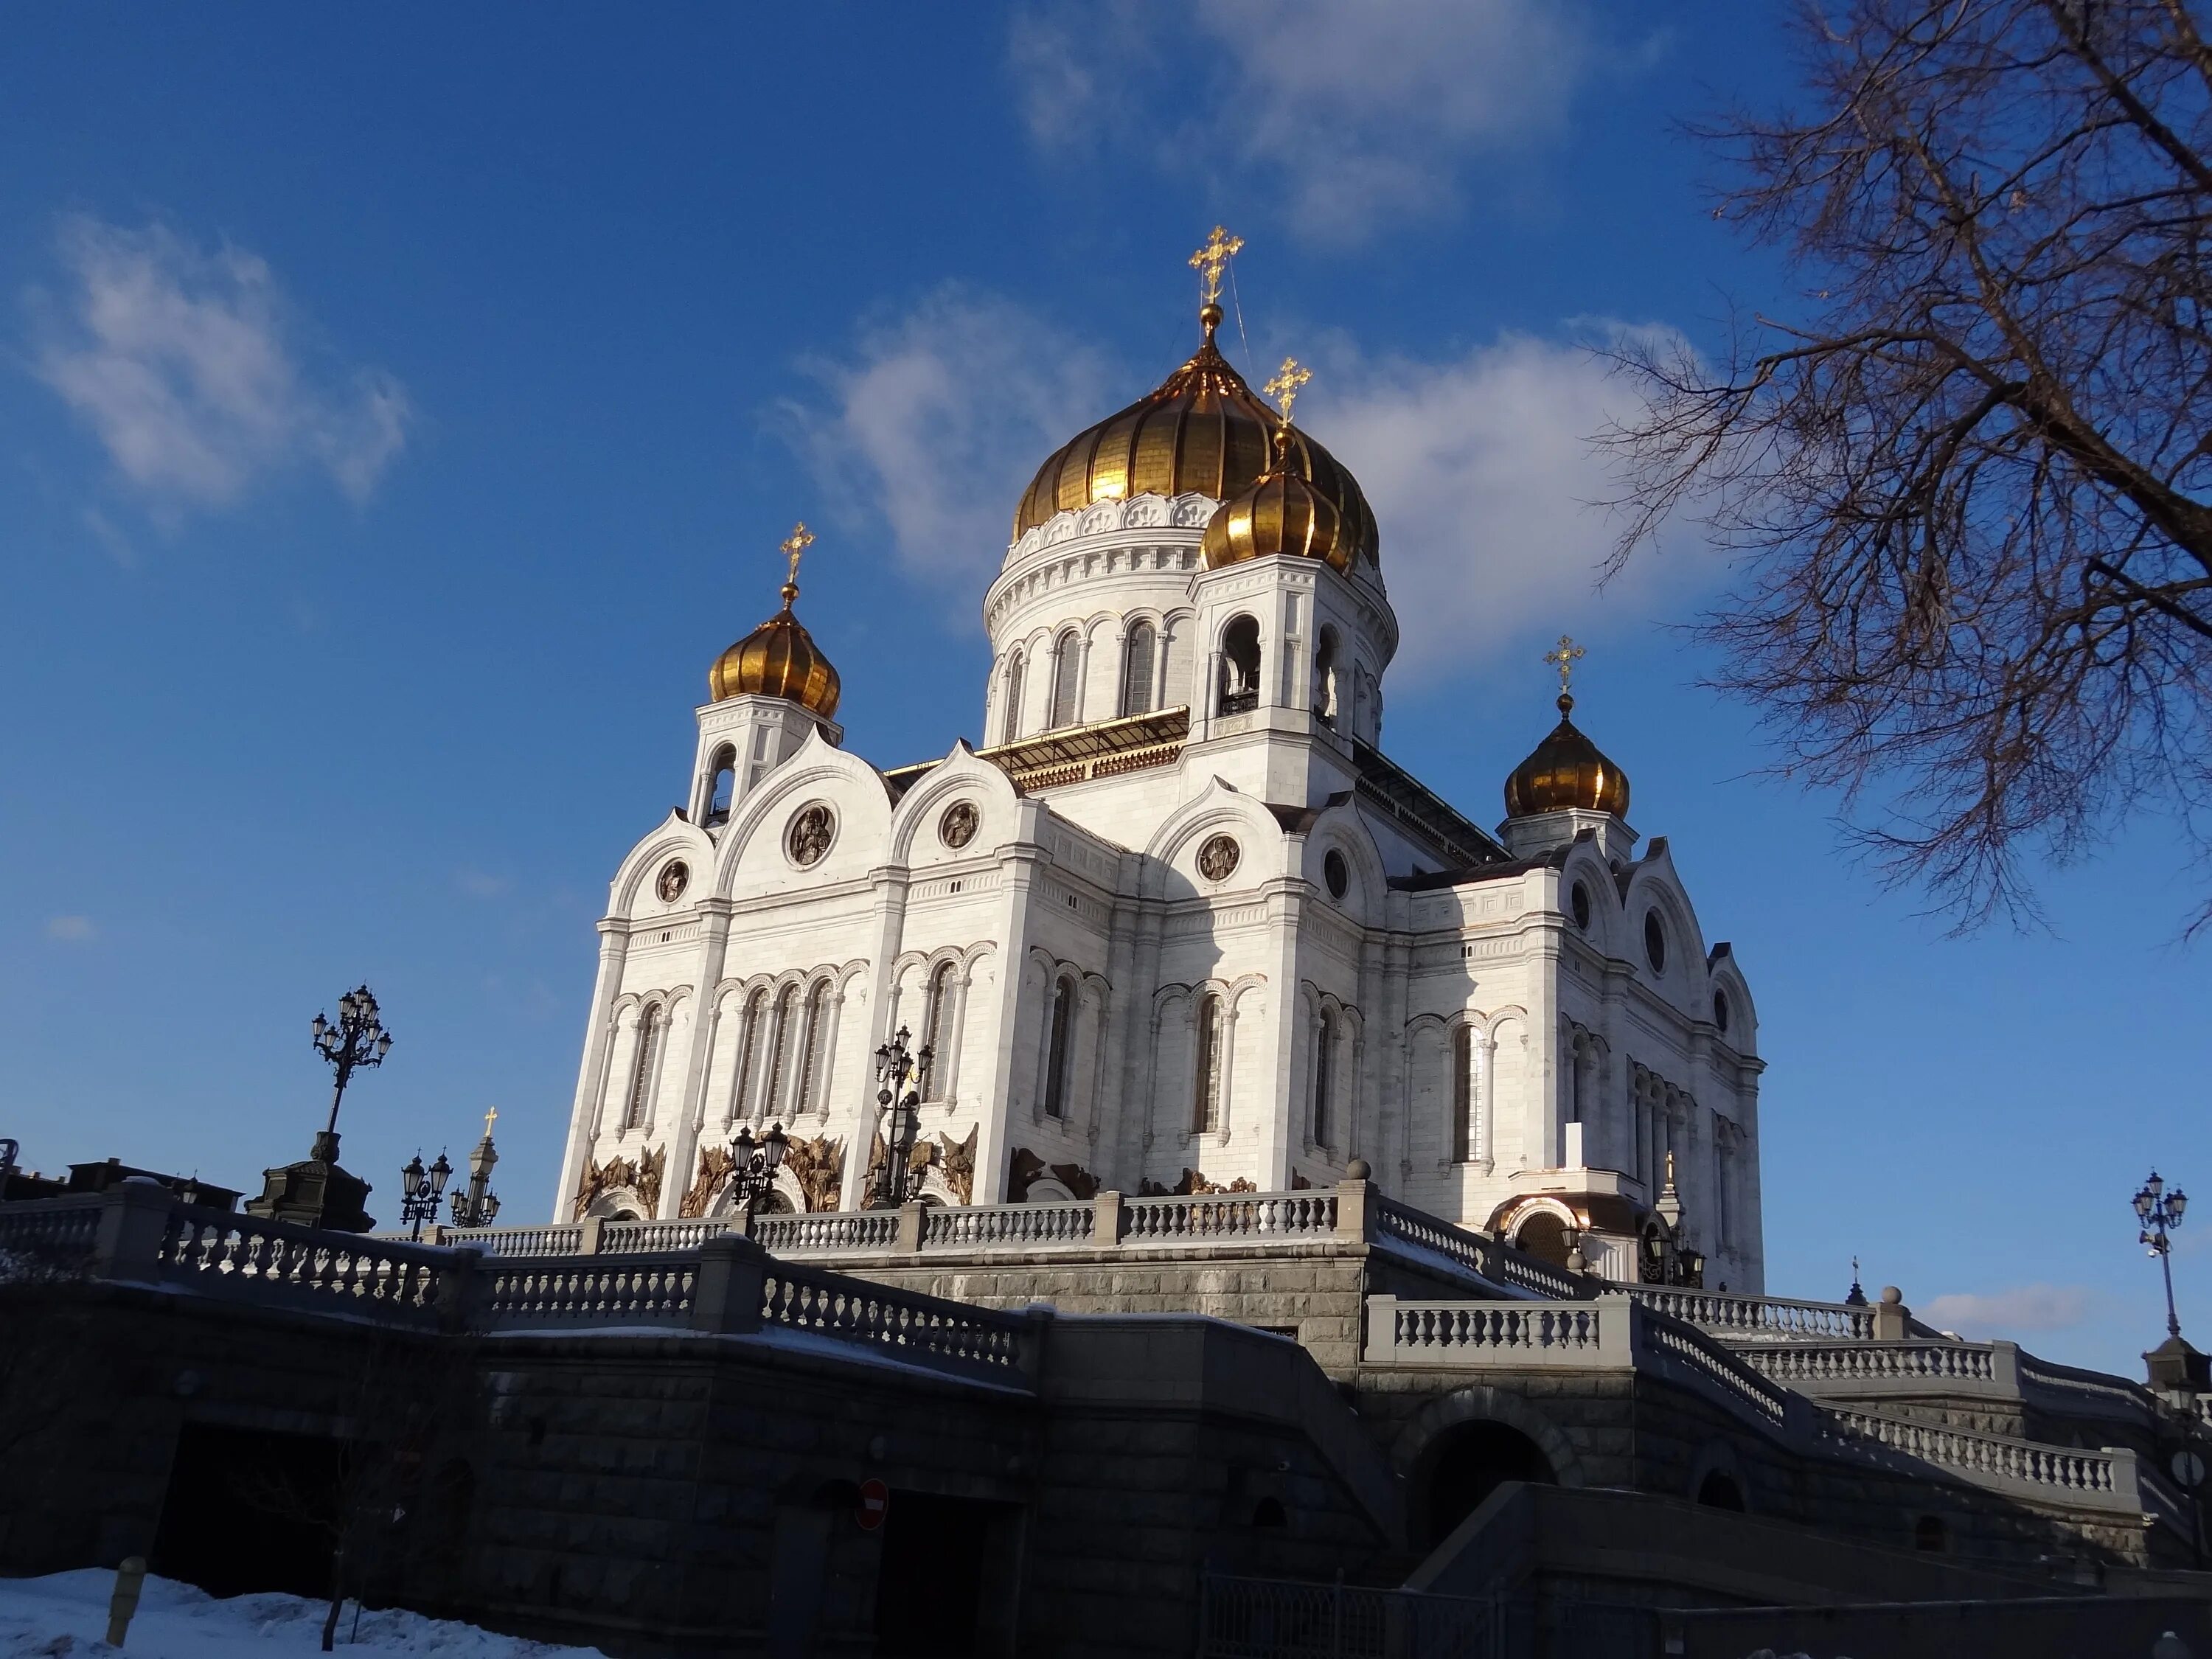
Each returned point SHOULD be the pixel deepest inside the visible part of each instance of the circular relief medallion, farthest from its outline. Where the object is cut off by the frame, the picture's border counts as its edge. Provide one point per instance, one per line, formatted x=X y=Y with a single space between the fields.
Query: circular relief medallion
x=957 y=827
x=674 y=876
x=812 y=829
x=1217 y=858
x=1336 y=873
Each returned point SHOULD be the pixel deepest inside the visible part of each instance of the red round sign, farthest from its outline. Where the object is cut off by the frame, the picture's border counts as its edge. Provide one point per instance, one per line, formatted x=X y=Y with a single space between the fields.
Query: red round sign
x=875 y=1503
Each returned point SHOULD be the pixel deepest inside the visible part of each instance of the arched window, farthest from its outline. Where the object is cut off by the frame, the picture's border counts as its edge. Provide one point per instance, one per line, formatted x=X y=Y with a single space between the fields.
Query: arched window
x=1058 y=1046
x=1137 y=654
x=1206 y=1091
x=1240 y=666
x=1066 y=667
x=937 y=1032
x=1324 y=1077
x=786 y=1010
x=650 y=1025
x=721 y=785
x=1011 y=727
x=1464 y=1139
x=1324 y=679
x=749 y=1042
x=811 y=1078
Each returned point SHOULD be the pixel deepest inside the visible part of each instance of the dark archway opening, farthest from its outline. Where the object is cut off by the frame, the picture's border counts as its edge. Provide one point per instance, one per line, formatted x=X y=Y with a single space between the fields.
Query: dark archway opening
x=722 y=787
x=1543 y=1235
x=1472 y=1461
x=1718 y=1491
x=1240 y=666
x=929 y=1590
x=249 y=1510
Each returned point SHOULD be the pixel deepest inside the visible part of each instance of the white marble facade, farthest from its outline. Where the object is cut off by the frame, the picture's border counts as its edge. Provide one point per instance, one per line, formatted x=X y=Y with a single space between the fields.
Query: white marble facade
x=1238 y=956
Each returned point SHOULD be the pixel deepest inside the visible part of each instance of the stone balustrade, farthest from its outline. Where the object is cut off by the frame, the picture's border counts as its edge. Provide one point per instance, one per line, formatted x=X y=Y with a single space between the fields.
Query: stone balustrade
x=2106 y=1479
x=1737 y=1317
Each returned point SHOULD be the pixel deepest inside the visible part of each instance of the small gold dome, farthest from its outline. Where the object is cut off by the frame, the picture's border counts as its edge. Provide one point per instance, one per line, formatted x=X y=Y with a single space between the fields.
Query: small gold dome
x=779 y=659
x=1280 y=512
x=1566 y=770
x=1203 y=431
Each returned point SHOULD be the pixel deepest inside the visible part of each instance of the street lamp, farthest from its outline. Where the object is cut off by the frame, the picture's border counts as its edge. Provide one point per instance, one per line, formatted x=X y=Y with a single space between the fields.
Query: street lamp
x=358 y=1041
x=895 y=1069
x=420 y=1190
x=479 y=1206
x=2160 y=1213
x=753 y=1165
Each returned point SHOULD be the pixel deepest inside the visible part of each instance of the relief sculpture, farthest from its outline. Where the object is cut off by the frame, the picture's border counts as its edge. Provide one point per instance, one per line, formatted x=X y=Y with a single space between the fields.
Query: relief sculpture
x=818 y=1167
x=1028 y=1168
x=641 y=1175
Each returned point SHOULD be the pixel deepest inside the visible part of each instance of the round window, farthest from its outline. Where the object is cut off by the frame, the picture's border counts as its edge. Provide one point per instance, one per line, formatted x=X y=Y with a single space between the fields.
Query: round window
x=675 y=876
x=1217 y=858
x=1654 y=942
x=1337 y=873
x=1721 y=1010
x=1578 y=903
x=812 y=829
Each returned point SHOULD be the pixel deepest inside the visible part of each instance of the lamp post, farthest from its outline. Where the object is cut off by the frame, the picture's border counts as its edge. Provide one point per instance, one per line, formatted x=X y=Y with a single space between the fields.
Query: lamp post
x=478 y=1207
x=753 y=1165
x=420 y=1190
x=896 y=1069
x=358 y=1041
x=2160 y=1213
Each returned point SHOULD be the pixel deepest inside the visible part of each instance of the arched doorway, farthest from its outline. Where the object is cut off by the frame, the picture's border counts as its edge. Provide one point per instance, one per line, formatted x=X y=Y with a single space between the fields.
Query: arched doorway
x=1718 y=1491
x=1543 y=1235
x=1469 y=1463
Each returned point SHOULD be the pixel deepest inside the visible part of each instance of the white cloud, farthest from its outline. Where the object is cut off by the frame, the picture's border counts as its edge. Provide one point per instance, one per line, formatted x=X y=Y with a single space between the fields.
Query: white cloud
x=72 y=929
x=1352 y=115
x=936 y=421
x=2023 y=1308
x=480 y=884
x=183 y=363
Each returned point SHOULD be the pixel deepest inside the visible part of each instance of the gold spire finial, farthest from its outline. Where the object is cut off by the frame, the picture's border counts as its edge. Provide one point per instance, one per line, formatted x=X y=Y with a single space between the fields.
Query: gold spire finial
x=1289 y=380
x=1564 y=657
x=1213 y=259
x=491 y=1117
x=793 y=547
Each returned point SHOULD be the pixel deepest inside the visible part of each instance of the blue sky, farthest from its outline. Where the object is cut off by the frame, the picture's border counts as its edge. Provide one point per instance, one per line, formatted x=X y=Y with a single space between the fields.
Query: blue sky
x=398 y=413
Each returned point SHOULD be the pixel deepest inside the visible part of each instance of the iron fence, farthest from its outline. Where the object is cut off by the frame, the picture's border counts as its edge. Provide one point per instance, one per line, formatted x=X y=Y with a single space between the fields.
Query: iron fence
x=1280 y=1619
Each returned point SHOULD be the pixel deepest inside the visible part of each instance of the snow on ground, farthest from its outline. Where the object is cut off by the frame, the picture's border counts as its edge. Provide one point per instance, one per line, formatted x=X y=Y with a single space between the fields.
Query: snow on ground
x=64 y=1616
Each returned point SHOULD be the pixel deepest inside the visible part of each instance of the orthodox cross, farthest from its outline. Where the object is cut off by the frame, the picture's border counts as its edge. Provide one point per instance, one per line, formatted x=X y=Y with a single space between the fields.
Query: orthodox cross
x=1213 y=259
x=1285 y=388
x=793 y=547
x=1564 y=657
x=490 y=1118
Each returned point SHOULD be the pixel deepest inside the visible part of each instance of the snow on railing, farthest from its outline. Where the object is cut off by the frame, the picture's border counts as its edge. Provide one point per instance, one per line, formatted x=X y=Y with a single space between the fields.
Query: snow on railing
x=1717 y=1367
x=1230 y=1215
x=618 y=1237
x=1724 y=1314
x=840 y=1230
x=2094 y=1479
x=1006 y=1224
x=926 y=1329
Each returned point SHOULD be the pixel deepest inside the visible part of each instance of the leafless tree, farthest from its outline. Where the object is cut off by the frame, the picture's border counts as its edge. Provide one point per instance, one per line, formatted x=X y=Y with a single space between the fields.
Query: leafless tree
x=1966 y=479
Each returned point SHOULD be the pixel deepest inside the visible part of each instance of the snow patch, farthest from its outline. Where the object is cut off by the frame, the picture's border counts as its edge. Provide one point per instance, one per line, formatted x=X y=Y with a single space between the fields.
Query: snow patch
x=65 y=1616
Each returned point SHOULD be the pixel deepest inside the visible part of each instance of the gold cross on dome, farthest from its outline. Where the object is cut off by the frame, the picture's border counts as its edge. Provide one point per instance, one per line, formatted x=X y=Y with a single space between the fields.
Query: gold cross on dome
x=491 y=1117
x=1564 y=657
x=1213 y=259
x=1289 y=380
x=793 y=547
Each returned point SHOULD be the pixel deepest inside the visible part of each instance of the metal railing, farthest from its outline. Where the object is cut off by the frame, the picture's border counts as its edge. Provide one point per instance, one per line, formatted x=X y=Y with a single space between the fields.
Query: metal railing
x=1281 y=1619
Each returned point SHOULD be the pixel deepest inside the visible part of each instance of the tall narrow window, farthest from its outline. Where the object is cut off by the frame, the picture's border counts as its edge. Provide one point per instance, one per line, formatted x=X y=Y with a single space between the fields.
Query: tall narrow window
x=1463 y=1098
x=650 y=1024
x=786 y=1010
x=1206 y=1092
x=1324 y=1078
x=936 y=1032
x=1324 y=680
x=1057 y=1047
x=749 y=1042
x=1066 y=666
x=809 y=1054
x=721 y=785
x=1240 y=666
x=1011 y=727
x=1137 y=654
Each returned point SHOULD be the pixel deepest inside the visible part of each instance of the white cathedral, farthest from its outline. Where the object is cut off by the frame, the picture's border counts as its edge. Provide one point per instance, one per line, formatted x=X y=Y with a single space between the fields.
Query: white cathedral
x=1178 y=924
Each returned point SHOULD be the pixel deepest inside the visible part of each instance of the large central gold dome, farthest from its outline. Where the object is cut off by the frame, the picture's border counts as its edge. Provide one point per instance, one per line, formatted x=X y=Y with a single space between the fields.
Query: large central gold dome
x=1203 y=430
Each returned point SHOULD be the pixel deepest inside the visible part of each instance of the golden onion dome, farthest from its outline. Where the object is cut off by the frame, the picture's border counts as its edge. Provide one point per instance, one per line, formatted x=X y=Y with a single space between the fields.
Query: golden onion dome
x=1203 y=431
x=1566 y=770
x=1279 y=511
x=779 y=659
